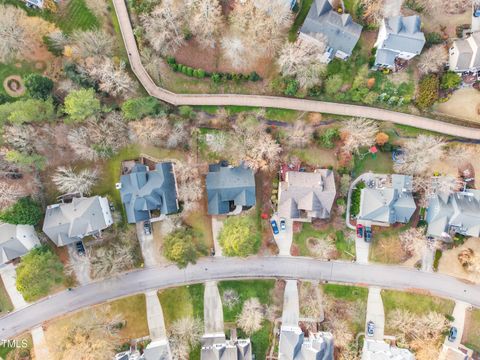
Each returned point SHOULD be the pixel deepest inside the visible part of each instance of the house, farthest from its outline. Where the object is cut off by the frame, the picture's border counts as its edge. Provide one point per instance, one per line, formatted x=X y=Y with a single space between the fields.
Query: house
x=143 y=191
x=155 y=350
x=293 y=344
x=399 y=37
x=215 y=345
x=455 y=213
x=380 y=350
x=304 y=196
x=16 y=241
x=229 y=189
x=66 y=223
x=385 y=204
x=464 y=55
x=341 y=31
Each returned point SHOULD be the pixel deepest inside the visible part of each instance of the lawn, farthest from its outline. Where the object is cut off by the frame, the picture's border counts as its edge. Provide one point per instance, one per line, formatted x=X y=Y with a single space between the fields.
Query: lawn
x=418 y=304
x=471 y=335
x=283 y=114
x=345 y=248
x=202 y=226
x=302 y=14
x=260 y=340
x=5 y=303
x=381 y=164
x=76 y=16
x=22 y=70
x=260 y=289
x=316 y=156
x=344 y=292
x=386 y=247
x=19 y=352
x=181 y=302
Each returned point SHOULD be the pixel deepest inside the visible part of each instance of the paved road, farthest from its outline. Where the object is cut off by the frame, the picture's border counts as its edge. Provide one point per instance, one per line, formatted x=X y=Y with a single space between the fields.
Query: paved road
x=233 y=268
x=273 y=101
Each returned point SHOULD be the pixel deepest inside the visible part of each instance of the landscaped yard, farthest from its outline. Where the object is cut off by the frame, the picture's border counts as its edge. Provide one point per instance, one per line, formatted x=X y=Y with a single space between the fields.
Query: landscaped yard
x=76 y=16
x=201 y=224
x=471 y=334
x=386 y=247
x=181 y=302
x=316 y=156
x=5 y=303
x=344 y=292
x=417 y=304
x=6 y=70
x=381 y=164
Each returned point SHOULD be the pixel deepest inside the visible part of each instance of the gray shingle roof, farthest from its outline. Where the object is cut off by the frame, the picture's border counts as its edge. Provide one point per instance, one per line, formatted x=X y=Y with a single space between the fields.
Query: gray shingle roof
x=385 y=57
x=69 y=222
x=143 y=191
x=229 y=186
x=16 y=241
x=388 y=205
x=341 y=31
x=459 y=210
x=157 y=350
x=309 y=194
x=228 y=350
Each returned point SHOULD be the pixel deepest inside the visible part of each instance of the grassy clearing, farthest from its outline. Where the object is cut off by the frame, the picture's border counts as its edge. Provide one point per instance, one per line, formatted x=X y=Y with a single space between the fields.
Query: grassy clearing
x=343 y=245
x=202 y=226
x=471 y=335
x=260 y=340
x=382 y=164
x=297 y=24
x=7 y=70
x=5 y=302
x=316 y=156
x=416 y=303
x=77 y=16
x=181 y=302
x=245 y=289
x=344 y=292
x=283 y=114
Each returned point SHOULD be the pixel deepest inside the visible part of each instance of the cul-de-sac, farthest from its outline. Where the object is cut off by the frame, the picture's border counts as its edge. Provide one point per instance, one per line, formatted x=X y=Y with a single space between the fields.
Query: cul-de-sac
x=239 y=179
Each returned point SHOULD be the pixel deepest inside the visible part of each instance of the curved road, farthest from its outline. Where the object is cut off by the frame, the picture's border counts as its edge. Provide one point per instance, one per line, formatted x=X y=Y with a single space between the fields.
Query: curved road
x=224 y=268
x=273 y=101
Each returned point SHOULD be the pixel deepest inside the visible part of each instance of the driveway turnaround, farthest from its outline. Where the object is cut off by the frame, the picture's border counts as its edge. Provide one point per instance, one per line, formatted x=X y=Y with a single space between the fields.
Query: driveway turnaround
x=139 y=281
x=375 y=313
x=273 y=101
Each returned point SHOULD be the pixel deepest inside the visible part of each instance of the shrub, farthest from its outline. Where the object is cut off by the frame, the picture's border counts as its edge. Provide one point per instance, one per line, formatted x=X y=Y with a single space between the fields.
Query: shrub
x=315 y=91
x=201 y=73
x=355 y=199
x=171 y=60
x=436 y=259
x=25 y=211
x=26 y=111
x=427 y=91
x=38 y=86
x=39 y=271
x=239 y=236
x=185 y=111
x=333 y=84
x=253 y=76
x=450 y=80
x=216 y=78
x=25 y=159
x=433 y=38
x=179 y=247
x=189 y=71
x=328 y=138
x=292 y=87
x=136 y=109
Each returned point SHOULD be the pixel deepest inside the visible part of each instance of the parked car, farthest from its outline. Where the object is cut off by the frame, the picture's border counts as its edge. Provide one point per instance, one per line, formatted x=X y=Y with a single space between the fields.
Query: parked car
x=112 y=207
x=370 y=328
x=452 y=335
x=147 y=228
x=212 y=251
x=360 y=231
x=368 y=233
x=283 y=224
x=274 y=226
x=80 y=248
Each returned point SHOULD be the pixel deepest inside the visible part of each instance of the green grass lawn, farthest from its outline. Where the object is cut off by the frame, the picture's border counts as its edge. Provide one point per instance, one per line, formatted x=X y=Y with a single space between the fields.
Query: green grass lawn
x=181 y=302
x=316 y=156
x=415 y=303
x=260 y=340
x=471 y=335
x=344 y=247
x=282 y=114
x=5 y=303
x=7 y=70
x=300 y=18
x=201 y=224
x=245 y=289
x=382 y=164
x=77 y=16
x=344 y=292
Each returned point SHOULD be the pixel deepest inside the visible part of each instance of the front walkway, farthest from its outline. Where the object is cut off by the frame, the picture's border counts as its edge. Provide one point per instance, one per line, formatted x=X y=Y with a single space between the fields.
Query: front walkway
x=375 y=313
x=217 y=226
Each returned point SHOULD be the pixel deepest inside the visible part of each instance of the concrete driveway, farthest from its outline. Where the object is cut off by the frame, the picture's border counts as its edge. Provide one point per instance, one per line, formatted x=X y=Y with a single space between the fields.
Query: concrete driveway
x=149 y=250
x=284 y=238
x=291 y=306
x=9 y=277
x=375 y=313
x=217 y=225
x=40 y=347
x=362 y=250
x=80 y=265
x=212 y=309
x=156 y=322
x=459 y=313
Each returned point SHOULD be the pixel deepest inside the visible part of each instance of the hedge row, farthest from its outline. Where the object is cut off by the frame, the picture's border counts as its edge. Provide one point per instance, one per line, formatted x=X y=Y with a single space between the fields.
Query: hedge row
x=216 y=77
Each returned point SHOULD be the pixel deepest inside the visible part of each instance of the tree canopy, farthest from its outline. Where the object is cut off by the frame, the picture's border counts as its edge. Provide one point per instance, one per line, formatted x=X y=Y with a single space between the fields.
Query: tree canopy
x=38 y=272
x=38 y=86
x=81 y=104
x=26 y=111
x=239 y=236
x=179 y=246
x=25 y=211
x=135 y=109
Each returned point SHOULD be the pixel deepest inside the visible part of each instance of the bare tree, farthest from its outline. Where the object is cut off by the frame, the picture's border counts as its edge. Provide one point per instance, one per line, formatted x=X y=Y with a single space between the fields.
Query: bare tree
x=216 y=142
x=322 y=248
x=9 y=193
x=163 y=26
x=300 y=135
x=252 y=315
x=184 y=333
x=20 y=137
x=433 y=60
x=230 y=298
x=69 y=181
x=190 y=189
x=92 y=43
x=179 y=135
x=357 y=133
x=152 y=63
x=413 y=241
x=341 y=332
x=235 y=51
x=303 y=60
x=58 y=40
x=150 y=130
x=206 y=21
x=80 y=143
x=13 y=32
x=310 y=301
x=419 y=154
x=469 y=260
x=373 y=11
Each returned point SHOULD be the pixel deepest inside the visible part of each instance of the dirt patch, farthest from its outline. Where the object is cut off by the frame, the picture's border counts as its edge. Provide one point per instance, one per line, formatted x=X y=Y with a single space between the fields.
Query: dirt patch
x=463 y=105
x=450 y=265
x=433 y=20
x=14 y=86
